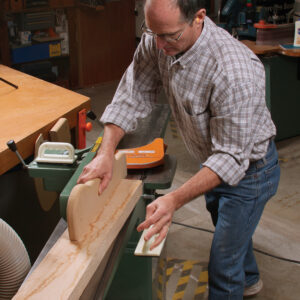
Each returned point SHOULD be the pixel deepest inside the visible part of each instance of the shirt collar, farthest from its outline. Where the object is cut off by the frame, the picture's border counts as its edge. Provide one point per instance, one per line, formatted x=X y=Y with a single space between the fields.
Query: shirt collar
x=199 y=46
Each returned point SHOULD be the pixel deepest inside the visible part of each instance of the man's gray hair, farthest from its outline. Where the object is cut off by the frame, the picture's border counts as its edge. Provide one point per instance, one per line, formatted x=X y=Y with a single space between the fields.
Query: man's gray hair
x=189 y=8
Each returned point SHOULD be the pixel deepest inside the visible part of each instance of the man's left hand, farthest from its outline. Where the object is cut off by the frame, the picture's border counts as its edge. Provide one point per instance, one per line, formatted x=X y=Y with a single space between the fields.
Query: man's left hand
x=159 y=213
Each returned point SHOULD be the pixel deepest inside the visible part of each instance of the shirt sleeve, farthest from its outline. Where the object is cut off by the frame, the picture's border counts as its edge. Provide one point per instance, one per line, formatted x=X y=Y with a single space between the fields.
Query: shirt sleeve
x=138 y=89
x=231 y=129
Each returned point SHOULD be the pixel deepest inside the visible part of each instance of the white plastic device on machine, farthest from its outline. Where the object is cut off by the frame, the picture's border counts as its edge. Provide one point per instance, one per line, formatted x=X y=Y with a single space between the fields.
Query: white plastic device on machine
x=54 y=152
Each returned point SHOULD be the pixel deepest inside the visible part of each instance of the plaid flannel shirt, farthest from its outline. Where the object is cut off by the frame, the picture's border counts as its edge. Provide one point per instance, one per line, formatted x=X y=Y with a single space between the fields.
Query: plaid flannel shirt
x=216 y=91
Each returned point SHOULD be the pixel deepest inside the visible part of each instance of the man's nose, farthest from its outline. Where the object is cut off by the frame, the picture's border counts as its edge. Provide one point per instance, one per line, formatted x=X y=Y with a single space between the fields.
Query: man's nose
x=160 y=42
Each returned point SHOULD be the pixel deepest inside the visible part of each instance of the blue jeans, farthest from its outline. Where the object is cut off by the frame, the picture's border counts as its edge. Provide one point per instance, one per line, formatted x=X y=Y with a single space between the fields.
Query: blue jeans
x=235 y=212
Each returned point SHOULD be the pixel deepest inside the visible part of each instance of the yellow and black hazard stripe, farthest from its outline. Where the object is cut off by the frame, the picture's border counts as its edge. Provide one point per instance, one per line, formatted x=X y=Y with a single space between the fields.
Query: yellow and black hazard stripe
x=202 y=285
x=187 y=270
x=183 y=280
x=171 y=263
x=161 y=279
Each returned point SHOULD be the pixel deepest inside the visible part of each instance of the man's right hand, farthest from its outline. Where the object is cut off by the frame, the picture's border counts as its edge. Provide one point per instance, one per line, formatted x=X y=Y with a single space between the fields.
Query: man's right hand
x=100 y=167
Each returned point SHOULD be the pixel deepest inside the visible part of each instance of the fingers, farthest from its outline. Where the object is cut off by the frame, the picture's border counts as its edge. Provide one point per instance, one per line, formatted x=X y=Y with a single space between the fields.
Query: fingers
x=158 y=214
x=82 y=179
x=86 y=175
x=141 y=227
x=160 y=237
x=150 y=210
x=151 y=217
x=103 y=184
x=105 y=181
x=158 y=227
x=101 y=169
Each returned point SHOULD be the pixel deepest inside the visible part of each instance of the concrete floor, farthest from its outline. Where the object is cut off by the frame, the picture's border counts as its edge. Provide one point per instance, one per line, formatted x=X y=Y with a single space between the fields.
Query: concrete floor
x=278 y=232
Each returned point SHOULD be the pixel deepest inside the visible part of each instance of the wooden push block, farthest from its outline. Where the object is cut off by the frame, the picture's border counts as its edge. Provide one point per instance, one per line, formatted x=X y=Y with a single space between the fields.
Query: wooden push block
x=84 y=203
x=94 y=222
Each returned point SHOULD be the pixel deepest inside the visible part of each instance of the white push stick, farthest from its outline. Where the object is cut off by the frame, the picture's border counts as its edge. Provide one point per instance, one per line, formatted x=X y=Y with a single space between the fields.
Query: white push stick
x=143 y=247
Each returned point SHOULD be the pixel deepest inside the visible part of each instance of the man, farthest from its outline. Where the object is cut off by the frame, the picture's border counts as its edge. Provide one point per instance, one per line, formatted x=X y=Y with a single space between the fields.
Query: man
x=216 y=90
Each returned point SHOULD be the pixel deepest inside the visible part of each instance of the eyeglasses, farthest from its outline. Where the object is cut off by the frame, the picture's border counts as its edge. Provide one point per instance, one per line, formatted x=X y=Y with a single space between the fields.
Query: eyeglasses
x=170 y=38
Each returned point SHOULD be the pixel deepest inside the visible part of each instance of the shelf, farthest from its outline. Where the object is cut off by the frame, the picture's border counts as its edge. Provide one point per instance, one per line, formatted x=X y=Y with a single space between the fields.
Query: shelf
x=97 y=8
x=46 y=39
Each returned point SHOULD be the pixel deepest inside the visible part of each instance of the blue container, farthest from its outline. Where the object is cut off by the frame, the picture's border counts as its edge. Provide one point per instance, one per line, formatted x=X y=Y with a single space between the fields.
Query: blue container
x=31 y=53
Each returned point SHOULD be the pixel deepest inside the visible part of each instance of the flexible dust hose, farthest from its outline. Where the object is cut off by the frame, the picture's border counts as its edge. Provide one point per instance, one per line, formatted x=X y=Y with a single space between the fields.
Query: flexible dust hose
x=14 y=261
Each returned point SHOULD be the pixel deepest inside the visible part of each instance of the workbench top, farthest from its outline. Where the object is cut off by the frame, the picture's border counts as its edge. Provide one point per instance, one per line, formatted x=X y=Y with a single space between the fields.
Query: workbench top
x=271 y=49
x=31 y=109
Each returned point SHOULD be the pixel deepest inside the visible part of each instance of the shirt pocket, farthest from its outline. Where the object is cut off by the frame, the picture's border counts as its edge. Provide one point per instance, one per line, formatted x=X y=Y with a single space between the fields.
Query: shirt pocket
x=194 y=109
x=198 y=118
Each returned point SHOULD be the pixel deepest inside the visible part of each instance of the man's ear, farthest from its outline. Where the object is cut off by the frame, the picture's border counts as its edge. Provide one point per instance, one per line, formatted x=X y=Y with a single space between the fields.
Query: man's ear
x=200 y=15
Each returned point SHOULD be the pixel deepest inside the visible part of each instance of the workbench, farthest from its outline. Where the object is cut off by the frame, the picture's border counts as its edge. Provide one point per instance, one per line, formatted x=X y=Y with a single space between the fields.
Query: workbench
x=31 y=109
x=282 y=69
x=29 y=106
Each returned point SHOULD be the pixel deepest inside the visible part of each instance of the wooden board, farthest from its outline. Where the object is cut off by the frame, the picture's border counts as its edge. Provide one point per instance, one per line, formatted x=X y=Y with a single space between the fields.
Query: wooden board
x=32 y=109
x=68 y=267
x=60 y=132
x=84 y=202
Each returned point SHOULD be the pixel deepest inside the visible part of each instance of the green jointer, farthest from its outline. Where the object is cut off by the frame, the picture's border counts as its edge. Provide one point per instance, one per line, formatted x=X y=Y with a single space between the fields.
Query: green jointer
x=126 y=276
